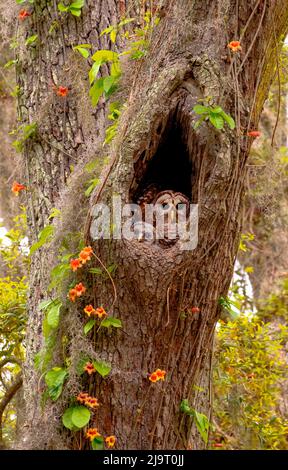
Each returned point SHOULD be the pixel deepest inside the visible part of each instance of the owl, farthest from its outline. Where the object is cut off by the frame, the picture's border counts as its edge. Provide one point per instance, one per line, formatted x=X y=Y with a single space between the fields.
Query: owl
x=168 y=205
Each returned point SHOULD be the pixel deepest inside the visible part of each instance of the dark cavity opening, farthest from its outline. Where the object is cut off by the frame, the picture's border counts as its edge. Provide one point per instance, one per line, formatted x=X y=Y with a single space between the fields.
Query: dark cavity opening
x=170 y=168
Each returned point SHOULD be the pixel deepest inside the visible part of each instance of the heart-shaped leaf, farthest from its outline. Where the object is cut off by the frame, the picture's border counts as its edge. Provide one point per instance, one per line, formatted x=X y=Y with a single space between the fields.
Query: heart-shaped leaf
x=54 y=379
x=54 y=314
x=103 y=368
x=111 y=321
x=199 y=109
x=89 y=325
x=98 y=443
x=67 y=420
x=80 y=416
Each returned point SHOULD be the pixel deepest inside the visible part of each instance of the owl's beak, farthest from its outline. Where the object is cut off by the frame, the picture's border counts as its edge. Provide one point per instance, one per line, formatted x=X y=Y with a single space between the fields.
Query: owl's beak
x=172 y=215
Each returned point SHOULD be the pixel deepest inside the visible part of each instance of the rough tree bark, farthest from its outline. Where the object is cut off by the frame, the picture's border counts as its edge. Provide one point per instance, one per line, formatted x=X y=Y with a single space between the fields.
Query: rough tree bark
x=188 y=60
x=9 y=163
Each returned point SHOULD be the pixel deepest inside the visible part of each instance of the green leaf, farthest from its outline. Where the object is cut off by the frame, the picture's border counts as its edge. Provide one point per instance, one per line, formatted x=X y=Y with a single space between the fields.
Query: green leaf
x=75 y=11
x=16 y=92
x=80 y=416
x=103 y=368
x=229 y=307
x=93 y=72
x=74 y=8
x=185 y=408
x=110 y=133
x=31 y=39
x=46 y=234
x=107 y=30
x=113 y=29
x=216 y=110
x=201 y=420
x=52 y=308
x=58 y=274
x=46 y=329
x=136 y=55
x=112 y=89
x=54 y=380
x=53 y=315
x=23 y=132
x=202 y=424
x=10 y=63
x=112 y=268
x=83 y=52
x=67 y=256
x=97 y=271
x=37 y=360
x=114 y=110
x=44 y=237
x=93 y=184
x=108 y=83
x=98 y=443
x=84 y=46
x=46 y=353
x=126 y=21
x=78 y=4
x=105 y=55
x=115 y=69
x=83 y=49
x=45 y=304
x=111 y=321
x=96 y=91
x=217 y=120
x=67 y=419
x=35 y=247
x=230 y=121
x=89 y=325
x=55 y=376
x=28 y=131
x=199 y=109
x=62 y=7
x=54 y=213
x=113 y=35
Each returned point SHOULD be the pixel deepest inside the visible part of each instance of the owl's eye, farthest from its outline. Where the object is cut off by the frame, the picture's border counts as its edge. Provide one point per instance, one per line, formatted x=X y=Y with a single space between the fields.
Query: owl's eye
x=180 y=206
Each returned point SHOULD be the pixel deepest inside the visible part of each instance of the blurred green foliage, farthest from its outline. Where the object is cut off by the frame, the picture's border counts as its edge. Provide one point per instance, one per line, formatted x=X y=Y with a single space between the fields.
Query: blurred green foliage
x=250 y=370
x=13 y=289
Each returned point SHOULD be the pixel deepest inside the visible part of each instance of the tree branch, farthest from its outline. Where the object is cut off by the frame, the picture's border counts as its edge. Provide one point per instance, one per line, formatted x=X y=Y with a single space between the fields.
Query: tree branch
x=9 y=394
x=11 y=359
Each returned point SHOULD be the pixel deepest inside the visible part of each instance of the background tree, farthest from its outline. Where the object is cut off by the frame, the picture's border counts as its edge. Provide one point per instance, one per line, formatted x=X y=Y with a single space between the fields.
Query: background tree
x=155 y=287
x=13 y=291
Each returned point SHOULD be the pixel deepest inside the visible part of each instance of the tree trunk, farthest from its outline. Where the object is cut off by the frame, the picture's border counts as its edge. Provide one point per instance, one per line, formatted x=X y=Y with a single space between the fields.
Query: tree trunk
x=156 y=286
x=9 y=164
